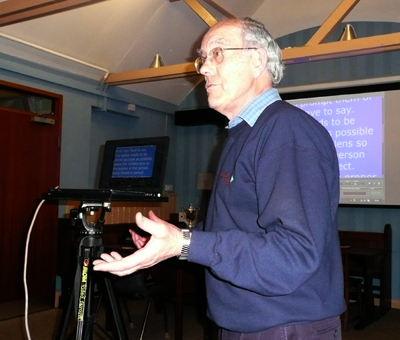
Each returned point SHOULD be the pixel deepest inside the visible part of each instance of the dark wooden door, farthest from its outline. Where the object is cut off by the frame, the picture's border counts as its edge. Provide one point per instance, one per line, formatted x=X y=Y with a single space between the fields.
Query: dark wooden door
x=29 y=166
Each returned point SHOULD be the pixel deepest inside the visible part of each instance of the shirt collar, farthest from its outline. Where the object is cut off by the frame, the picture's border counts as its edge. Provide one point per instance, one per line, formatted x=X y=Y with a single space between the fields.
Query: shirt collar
x=252 y=111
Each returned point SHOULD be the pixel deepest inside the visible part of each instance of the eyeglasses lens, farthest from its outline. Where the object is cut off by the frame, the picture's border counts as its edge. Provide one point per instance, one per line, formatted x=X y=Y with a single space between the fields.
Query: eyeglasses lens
x=215 y=56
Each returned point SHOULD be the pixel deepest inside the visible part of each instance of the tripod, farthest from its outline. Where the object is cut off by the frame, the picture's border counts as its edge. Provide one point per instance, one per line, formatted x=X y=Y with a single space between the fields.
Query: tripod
x=82 y=295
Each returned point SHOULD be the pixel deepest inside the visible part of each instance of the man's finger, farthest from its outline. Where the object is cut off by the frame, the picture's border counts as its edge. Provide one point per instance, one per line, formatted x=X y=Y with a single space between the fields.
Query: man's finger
x=145 y=223
x=119 y=265
x=116 y=255
x=110 y=266
x=113 y=256
x=96 y=262
x=153 y=216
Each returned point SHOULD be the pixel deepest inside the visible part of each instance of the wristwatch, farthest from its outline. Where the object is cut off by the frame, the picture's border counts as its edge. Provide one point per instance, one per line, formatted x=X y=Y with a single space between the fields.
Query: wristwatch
x=185 y=244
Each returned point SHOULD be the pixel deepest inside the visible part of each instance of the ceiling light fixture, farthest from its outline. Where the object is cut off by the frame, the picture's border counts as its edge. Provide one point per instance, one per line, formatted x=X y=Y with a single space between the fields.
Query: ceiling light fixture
x=348 y=33
x=157 y=62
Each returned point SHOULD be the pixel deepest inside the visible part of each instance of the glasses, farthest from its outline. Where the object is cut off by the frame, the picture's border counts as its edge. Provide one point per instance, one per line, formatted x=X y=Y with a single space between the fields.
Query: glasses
x=215 y=55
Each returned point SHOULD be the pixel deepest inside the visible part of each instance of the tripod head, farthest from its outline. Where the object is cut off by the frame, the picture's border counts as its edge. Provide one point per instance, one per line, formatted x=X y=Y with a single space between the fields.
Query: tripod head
x=94 y=199
x=80 y=216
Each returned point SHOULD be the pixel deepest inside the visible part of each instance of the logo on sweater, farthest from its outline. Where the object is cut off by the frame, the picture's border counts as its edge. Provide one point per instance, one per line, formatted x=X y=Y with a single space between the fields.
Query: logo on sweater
x=226 y=177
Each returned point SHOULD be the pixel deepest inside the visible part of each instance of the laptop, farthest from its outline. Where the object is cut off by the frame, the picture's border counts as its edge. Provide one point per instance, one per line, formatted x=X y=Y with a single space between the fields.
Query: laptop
x=132 y=170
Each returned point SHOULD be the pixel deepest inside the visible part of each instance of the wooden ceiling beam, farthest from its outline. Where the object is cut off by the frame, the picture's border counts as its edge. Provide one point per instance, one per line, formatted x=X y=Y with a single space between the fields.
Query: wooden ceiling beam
x=340 y=49
x=332 y=21
x=15 y=11
x=152 y=74
x=12 y=7
x=220 y=9
x=333 y=50
x=201 y=12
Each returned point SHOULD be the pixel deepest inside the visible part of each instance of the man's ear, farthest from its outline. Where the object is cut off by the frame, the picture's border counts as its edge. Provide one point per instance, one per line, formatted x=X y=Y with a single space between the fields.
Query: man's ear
x=259 y=62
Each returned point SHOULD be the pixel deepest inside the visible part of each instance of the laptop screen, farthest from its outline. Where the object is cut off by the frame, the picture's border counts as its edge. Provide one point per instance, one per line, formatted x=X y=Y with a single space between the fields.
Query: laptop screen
x=134 y=164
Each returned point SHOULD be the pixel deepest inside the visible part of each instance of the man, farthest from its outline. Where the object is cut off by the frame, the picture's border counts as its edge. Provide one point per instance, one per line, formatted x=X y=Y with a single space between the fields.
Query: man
x=270 y=242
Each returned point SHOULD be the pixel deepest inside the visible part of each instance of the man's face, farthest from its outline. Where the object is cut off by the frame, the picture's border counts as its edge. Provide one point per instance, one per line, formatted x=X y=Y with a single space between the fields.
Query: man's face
x=230 y=83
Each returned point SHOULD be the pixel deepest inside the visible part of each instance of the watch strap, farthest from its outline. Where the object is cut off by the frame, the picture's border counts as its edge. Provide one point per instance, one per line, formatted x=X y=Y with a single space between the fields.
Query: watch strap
x=187 y=235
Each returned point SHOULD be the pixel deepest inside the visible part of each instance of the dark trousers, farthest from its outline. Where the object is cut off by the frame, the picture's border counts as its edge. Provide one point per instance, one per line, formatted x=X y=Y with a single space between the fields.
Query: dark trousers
x=328 y=329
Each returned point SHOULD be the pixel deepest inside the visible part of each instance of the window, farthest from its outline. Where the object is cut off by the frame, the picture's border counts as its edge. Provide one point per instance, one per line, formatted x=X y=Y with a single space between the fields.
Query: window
x=17 y=99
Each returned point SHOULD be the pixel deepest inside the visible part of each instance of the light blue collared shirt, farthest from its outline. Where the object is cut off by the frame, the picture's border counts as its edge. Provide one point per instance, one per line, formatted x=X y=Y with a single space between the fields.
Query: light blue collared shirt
x=252 y=111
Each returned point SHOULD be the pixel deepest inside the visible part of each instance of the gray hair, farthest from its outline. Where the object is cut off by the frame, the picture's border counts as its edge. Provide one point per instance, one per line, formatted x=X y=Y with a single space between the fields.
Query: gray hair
x=255 y=34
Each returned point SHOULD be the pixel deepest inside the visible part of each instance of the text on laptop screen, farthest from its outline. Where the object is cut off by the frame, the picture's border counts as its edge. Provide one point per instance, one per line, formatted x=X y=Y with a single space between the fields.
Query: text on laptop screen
x=134 y=161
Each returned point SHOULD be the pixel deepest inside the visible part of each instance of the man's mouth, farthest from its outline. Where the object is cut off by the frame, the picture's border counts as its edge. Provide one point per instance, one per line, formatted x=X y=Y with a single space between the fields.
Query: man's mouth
x=209 y=86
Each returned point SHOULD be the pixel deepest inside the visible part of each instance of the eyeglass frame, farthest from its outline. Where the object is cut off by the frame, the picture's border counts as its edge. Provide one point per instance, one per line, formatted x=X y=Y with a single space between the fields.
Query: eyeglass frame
x=199 y=62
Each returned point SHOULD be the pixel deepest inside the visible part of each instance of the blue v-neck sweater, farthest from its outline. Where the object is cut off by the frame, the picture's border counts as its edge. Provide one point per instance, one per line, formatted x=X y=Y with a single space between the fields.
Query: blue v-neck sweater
x=270 y=241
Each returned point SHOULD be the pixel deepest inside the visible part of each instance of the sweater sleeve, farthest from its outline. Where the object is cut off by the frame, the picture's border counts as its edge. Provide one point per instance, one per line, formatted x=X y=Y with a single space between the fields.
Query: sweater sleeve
x=296 y=192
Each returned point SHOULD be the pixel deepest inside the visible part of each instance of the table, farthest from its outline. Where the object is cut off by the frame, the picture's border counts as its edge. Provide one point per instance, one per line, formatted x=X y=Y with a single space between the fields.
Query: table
x=366 y=258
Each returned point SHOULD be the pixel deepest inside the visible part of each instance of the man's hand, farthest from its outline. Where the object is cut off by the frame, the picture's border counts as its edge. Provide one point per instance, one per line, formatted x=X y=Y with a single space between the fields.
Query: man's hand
x=165 y=242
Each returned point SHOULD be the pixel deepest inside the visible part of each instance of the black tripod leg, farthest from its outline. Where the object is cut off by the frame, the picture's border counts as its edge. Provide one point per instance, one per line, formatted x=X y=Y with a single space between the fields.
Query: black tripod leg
x=82 y=323
x=81 y=296
x=89 y=314
x=70 y=308
x=115 y=310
